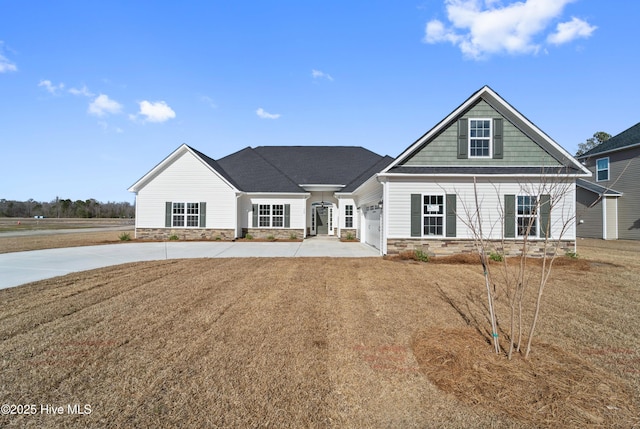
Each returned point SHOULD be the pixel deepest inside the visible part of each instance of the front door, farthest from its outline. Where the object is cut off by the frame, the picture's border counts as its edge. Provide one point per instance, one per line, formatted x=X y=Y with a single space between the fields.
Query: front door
x=322 y=220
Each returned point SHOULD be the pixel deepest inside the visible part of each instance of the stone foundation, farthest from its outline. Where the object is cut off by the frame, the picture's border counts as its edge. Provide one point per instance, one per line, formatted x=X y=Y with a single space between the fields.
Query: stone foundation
x=344 y=232
x=185 y=234
x=536 y=248
x=276 y=233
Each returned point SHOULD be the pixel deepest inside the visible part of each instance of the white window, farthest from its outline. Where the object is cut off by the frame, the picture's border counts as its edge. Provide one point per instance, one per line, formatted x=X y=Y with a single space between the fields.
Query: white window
x=271 y=216
x=602 y=170
x=479 y=138
x=264 y=215
x=527 y=216
x=277 y=219
x=185 y=214
x=348 y=216
x=433 y=214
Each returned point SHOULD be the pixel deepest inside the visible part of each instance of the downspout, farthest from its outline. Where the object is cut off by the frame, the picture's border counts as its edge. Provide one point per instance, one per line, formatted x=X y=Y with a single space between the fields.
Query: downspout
x=135 y=221
x=238 y=195
x=383 y=226
x=304 y=227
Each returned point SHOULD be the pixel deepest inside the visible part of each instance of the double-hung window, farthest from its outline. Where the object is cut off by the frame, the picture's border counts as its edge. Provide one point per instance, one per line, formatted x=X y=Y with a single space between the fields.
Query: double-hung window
x=348 y=216
x=264 y=215
x=527 y=216
x=271 y=215
x=433 y=214
x=479 y=138
x=277 y=219
x=602 y=170
x=185 y=214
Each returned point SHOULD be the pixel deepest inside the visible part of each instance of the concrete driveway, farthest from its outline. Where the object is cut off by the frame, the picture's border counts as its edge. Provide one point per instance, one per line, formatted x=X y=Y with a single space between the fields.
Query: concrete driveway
x=24 y=267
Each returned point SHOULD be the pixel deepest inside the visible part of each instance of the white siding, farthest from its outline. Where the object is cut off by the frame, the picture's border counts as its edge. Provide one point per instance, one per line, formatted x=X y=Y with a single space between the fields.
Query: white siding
x=296 y=215
x=490 y=198
x=370 y=192
x=187 y=179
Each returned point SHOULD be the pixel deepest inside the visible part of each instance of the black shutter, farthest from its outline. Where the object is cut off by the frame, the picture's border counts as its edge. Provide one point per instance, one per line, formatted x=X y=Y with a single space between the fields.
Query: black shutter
x=167 y=214
x=203 y=215
x=463 y=140
x=254 y=223
x=451 y=215
x=545 y=213
x=416 y=215
x=509 y=216
x=498 y=145
x=287 y=215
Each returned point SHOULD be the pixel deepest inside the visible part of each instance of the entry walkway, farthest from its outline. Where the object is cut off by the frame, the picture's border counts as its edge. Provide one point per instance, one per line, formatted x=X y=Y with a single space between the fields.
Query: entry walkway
x=24 y=267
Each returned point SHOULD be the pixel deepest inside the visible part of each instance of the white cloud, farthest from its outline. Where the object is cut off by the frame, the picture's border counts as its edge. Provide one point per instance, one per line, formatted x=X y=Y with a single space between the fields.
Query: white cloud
x=157 y=111
x=266 y=115
x=103 y=105
x=317 y=74
x=209 y=101
x=568 y=31
x=51 y=88
x=84 y=91
x=5 y=64
x=480 y=29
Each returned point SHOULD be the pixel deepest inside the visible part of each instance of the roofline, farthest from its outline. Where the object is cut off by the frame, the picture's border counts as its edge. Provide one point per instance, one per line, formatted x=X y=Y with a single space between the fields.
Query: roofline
x=166 y=161
x=604 y=152
x=609 y=192
x=277 y=193
x=465 y=105
x=418 y=175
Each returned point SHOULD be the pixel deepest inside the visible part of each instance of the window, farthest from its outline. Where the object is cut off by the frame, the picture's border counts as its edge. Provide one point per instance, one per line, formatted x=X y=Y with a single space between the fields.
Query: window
x=264 y=215
x=348 y=216
x=527 y=216
x=185 y=214
x=479 y=138
x=277 y=220
x=433 y=214
x=602 y=170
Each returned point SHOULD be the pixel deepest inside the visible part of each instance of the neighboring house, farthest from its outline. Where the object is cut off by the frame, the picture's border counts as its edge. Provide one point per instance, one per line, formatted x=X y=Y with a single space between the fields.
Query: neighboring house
x=423 y=199
x=608 y=205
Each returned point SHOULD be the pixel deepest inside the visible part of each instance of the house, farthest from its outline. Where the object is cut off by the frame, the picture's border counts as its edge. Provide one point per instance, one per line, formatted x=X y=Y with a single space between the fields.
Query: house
x=422 y=199
x=608 y=204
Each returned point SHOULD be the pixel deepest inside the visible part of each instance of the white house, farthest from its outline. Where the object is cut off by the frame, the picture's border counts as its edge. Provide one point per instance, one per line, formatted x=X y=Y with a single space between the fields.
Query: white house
x=423 y=199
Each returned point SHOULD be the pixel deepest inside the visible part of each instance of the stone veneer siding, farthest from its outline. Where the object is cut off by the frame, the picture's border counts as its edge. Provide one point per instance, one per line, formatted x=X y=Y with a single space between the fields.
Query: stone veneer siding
x=345 y=231
x=185 y=233
x=452 y=247
x=277 y=233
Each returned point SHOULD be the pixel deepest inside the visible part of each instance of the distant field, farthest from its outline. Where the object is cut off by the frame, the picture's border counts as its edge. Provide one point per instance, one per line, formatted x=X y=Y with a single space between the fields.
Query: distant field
x=320 y=342
x=47 y=233
x=26 y=224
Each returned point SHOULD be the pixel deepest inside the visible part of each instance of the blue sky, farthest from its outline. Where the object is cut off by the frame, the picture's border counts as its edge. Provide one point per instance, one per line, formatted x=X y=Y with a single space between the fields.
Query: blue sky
x=93 y=94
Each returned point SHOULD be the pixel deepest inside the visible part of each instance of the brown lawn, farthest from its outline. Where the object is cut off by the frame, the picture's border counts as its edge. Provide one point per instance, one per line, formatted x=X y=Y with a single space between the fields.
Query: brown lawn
x=320 y=343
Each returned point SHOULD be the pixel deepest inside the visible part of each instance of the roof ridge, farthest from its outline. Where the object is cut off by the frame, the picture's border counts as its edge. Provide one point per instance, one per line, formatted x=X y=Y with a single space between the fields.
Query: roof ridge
x=274 y=167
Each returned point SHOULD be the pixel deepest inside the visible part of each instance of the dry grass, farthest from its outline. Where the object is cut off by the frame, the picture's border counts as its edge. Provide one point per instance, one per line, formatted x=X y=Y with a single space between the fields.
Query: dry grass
x=319 y=343
x=37 y=242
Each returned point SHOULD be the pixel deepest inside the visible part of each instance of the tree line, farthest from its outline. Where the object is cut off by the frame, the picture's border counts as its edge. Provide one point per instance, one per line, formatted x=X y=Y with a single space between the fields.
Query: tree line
x=66 y=208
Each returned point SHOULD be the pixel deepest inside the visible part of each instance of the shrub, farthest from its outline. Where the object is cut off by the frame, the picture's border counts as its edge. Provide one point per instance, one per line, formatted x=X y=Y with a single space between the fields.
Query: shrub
x=350 y=236
x=293 y=236
x=571 y=254
x=420 y=255
x=218 y=238
x=271 y=238
x=125 y=236
x=173 y=237
x=495 y=256
x=248 y=236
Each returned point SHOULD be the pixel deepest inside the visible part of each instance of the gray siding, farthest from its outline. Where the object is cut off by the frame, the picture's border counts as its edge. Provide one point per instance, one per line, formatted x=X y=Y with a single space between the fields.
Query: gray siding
x=624 y=174
x=589 y=219
x=519 y=150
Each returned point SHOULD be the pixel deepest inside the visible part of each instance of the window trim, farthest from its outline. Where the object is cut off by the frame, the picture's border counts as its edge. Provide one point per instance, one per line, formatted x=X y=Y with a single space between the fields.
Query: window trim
x=489 y=139
x=442 y=215
x=271 y=215
x=536 y=214
x=608 y=169
x=348 y=216
x=185 y=215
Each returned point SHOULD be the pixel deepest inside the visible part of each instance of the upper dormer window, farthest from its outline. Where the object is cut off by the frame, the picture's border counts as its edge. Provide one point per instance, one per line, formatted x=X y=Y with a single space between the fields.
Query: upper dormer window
x=602 y=170
x=480 y=138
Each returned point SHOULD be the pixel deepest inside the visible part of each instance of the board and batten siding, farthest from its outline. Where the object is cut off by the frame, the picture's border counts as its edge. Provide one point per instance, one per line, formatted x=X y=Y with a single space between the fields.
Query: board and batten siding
x=518 y=148
x=186 y=179
x=490 y=195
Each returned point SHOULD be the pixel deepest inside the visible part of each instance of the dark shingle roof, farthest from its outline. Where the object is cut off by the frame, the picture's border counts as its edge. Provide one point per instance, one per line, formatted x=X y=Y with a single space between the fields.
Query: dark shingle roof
x=284 y=168
x=626 y=138
x=597 y=189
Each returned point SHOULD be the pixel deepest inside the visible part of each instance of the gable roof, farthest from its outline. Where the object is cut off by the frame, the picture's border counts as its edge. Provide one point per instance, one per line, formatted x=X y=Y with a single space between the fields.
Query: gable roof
x=597 y=189
x=628 y=138
x=508 y=112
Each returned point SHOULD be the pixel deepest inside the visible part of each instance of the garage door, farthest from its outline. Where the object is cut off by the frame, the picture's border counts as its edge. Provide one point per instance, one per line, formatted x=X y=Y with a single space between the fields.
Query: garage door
x=372 y=227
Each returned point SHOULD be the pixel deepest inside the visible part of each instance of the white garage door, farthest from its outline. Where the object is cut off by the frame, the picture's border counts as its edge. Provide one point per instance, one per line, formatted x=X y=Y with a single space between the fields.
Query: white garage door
x=372 y=227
